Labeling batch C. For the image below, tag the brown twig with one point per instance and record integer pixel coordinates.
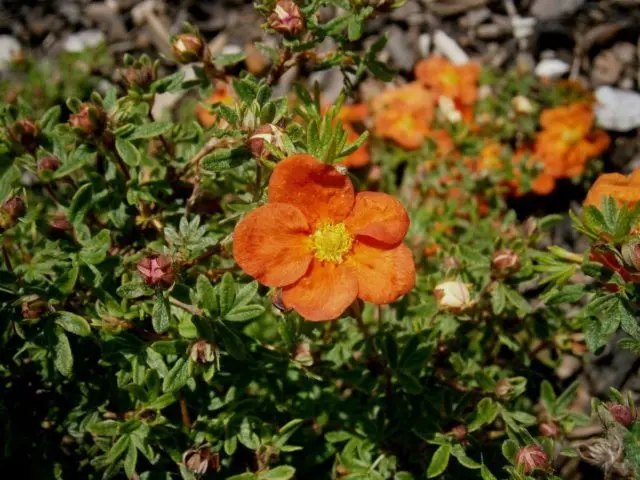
(285, 62)
(192, 309)
(201, 258)
(184, 411)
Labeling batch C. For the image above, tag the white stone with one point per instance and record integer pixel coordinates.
(617, 110)
(424, 45)
(448, 47)
(8, 47)
(76, 42)
(551, 68)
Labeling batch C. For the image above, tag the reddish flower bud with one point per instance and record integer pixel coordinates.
(60, 222)
(621, 414)
(202, 352)
(14, 207)
(459, 432)
(286, 18)
(33, 307)
(188, 47)
(532, 457)
(503, 388)
(48, 163)
(139, 76)
(505, 261)
(25, 134)
(549, 429)
(200, 460)
(265, 134)
(91, 120)
(156, 270)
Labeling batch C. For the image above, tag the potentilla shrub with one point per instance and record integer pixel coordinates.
(262, 287)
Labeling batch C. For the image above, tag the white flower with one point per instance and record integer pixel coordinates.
(448, 109)
(453, 295)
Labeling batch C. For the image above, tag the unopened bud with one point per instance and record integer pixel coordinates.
(156, 270)
(286, 18)
(59, 221)
(139, 76)
(531, 458)
(505, 261)
(200, 460)
(453, 296)
(25, 134)
(631, 255)
(450, 263)
(549, 429)
(91, 120)
(188, 47)
(48, 163)
(621, 414)
(459, 432)
(303, 354)
(14, 207)
(503, 388)
(33, 307)
(202, 352)
(265, 134)
(522, 104)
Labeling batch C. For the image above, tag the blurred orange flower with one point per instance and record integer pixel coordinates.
(443, 141)
(351, 115)
(625, 189)
(324, 245)
(221, 94)
(567, 141)
(458, 82)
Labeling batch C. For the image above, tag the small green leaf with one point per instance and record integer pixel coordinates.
(150, 130)
(73, 323)
(283, 472)
(486, 474)
(161, 314)
(246, 293)
(63, 358)
(231, 341)
(107, 428)
(244, 312)
(134, 290)
(130, 460)
(80, 157)
(207, 295)
(226, 293)
(439, 461)
(128, 152)
(177, 376)
(225, 159)
(50, 118)
(354, 28)
(80, 204)
(226, 60)
(486, 413)
(498, 299)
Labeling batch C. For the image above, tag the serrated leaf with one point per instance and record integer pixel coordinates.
(439, 461)
(80, 204)
(150, 130)
(161, 315)
(128, 152)
(73, 323)
(177, 376)
(63, 358)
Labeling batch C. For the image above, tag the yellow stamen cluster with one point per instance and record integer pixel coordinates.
(331, 242)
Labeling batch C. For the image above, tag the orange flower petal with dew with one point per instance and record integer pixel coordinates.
(383, 274)
(271, 244)
(378, 216)
(324, 293)
(317, 189)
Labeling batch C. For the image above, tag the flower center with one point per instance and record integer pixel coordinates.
(330, 243)
(450, 78)
(571, 136)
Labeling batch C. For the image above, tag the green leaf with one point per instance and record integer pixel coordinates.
(67, 281)
(62, 356)
(130, 460)
(128, 152)
(458, 452)
(548, 396)
(409, 382)
(161, 314)
(354, 28)
(9, 177)
(247, 436)
(177, 376)
(73, 323)
(107, 428)
(134, 290)
(518, 301)
(283, 472)
(486, 474)
(207, 295)
(498, 299)
(509, 449)
(439, 461)
(150, 130)
(244, 312)
(95, 250)
(226, 293)
(243, 476)
(486, 413)
(246, 293)
(50, 118)
(226, 60)
(403, 476)
(232, 342)
(225, 159)
(80, 157)
(80, 204)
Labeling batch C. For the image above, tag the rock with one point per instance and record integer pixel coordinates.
(625, 51)
(9, 47)
(402, 55)
(424, 45)
(551, 68)
(410, 12)
(474, 18)
(76, 42)
(617, 110)
(446, 45)
(606, 68)
(554, 9)
(106, 15)
(491, 31)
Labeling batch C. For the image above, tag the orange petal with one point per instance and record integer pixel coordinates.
(324, 293)
(270, 244)
(543, 185)
(383, 274)
(379, 216)
(317, 189)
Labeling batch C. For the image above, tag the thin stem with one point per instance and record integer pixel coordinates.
(164, 141)
(192, 309)
(7, 259)
(201, 258)
(184, 411)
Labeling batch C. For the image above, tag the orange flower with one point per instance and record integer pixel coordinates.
(221, 94)
(324, 245)
(444, 143)
(350, 115)
(568, 141)
(625, 189)
(458, 82)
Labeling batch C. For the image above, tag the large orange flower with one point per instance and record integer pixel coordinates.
(350, 115)
(221, 94)
(567, 141)
(324, 245)
(625, 189)
(458, 82)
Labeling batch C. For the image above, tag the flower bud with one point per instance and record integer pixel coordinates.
(453, 296)
(188, 47)
(505, 261)
(522, 104)
(459, 432)
(91, 120)
(60, 222)
(549, 429)
(33, 307)
(200, 460)
(25, 134)
(503, 388)
(287, 19)
(139, 76)
(532, 457)
(14, 207)
(156, 270)
(265, 134)
(621, 414)
(202, 352)
(48, 163)
(450, 263)
(631, 255)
